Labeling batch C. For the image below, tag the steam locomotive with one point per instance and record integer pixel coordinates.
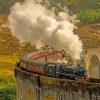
(53, 69)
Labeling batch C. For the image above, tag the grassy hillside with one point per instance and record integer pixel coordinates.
(77, 5)
(10, 53)
(5, 5)
(7, 88)
(90, 35)
(11, 50)
(88, 11)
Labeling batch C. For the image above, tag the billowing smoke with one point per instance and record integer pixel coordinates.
(32, 22)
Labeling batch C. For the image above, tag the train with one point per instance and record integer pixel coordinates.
(51, 69)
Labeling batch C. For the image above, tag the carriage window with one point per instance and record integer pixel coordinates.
(50, 69)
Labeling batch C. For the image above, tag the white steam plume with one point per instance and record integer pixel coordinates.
(34, 23)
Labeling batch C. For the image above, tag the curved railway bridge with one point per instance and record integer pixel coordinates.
(33, 86)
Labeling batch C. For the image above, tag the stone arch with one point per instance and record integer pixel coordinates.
(30, 95)
(50, 97)
(94, 67)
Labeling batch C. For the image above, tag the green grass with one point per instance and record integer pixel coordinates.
(89, 16)
(7, 64)
(7, 88)
(8, 93)
(6, 82)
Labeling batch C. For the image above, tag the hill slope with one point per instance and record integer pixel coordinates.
(10, 48)
(88, 11)
(90, 35)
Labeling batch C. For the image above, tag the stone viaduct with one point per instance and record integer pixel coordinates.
(34, 87)
(31, 86)
(91, 59)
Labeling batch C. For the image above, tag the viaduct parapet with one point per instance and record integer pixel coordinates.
(33, 87)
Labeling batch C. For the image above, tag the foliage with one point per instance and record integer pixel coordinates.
(5, 5)
(7, 88)
(89, 16)
(28, 47)
(96, 2)
(6, 82)
(88, 11)
(8, 93)
(48, 47)
(7, 63)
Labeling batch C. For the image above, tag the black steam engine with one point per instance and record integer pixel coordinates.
(64, 71)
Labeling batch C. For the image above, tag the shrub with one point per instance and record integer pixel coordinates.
(89, 16)
(7, 88)
(8, 93)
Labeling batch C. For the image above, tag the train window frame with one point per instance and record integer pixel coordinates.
(51, 70)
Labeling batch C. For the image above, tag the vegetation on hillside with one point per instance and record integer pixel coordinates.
(7, 88)
(90, 35)
(89, 16)
(88, 11)
(10, 52)
(5, 5)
